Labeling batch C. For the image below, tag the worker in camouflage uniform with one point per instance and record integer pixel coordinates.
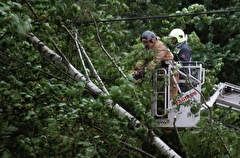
(182, 52)
(157, 56)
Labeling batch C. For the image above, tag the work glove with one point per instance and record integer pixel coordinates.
(178, 64)
(135, 77)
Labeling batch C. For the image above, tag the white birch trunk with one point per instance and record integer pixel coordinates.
(76, 75)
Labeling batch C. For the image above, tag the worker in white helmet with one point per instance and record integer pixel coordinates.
(182, 52)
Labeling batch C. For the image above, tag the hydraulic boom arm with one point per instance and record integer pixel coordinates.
(227, 95)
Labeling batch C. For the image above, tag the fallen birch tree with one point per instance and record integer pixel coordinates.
(64, 65)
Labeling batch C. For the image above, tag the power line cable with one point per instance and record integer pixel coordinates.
(168, 16)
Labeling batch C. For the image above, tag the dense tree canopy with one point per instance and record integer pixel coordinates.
(45, 112)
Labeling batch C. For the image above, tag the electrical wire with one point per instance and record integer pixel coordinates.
(168, 16)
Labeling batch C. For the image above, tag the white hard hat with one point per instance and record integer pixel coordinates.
(179, 34)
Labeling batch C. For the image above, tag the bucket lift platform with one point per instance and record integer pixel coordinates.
(183, 110)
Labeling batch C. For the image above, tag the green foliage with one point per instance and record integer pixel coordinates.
(19, 24)
(216, 139)
(132, 98)
(50, 119)
(43, 113)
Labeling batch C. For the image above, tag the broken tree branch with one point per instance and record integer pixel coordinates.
(82, 50)
(103, 48)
